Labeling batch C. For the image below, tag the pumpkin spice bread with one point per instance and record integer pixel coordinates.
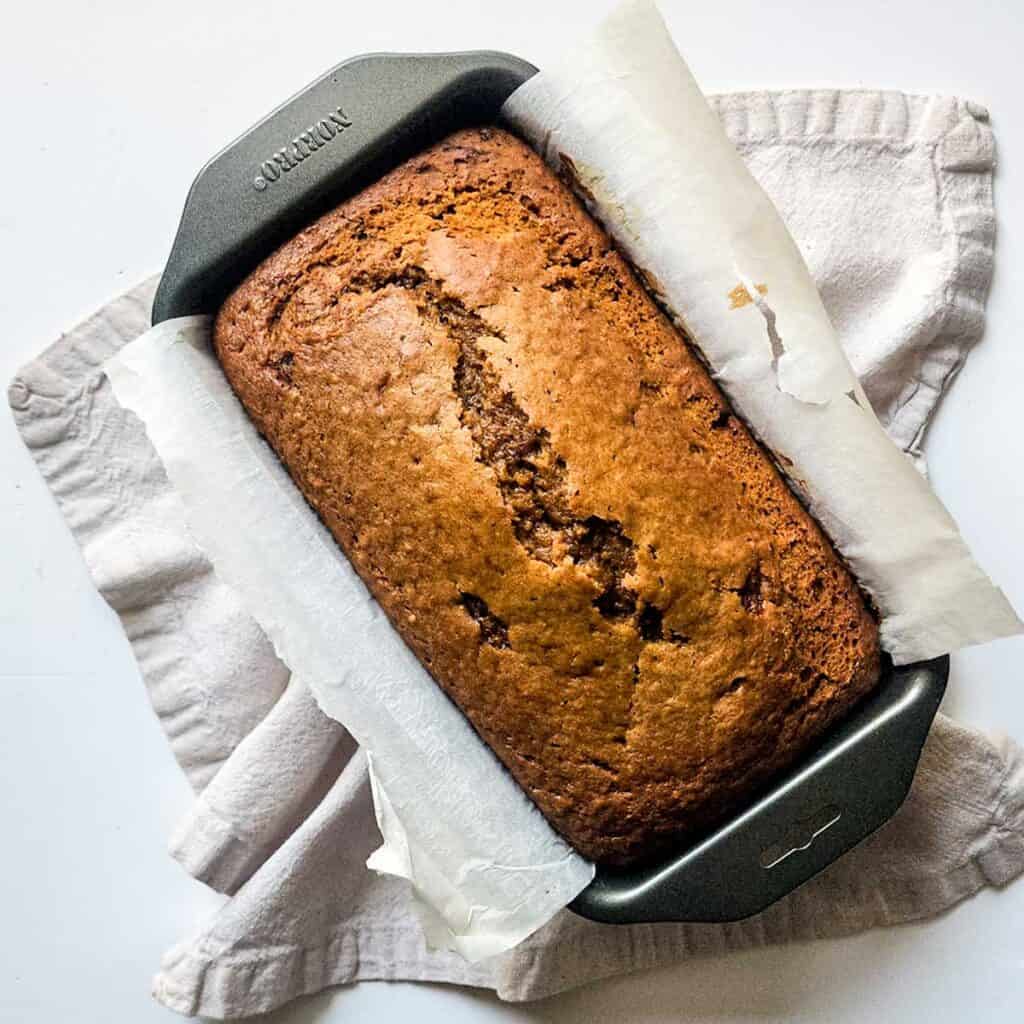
(548, 496)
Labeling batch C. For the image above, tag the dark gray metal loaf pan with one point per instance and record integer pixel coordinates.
(347, 128)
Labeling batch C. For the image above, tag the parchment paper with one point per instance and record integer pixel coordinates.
(625, 118)
(488, 872)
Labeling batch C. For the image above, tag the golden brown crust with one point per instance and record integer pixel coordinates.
(548, 495)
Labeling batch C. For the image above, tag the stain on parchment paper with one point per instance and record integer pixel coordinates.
(740, 297)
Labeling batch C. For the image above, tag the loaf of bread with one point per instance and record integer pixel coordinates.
(551, 500)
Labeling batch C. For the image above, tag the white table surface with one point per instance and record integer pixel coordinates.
(109, 109)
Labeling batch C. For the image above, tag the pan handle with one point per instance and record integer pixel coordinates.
(844, 792)
(339, 133)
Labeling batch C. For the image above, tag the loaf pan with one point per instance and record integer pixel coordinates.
(343, 131)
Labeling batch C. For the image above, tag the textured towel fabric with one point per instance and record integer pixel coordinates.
(889, 197)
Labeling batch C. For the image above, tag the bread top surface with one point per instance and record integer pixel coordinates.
(547, 494)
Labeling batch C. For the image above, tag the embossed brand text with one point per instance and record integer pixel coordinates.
(305, 144)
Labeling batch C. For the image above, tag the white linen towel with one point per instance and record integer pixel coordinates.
(889, 197)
